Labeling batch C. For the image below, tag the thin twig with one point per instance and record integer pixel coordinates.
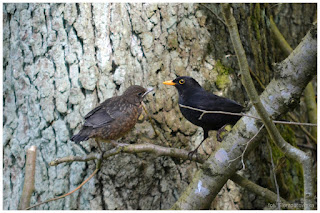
(302, 128)
(98, 166)
(245, 149)
(307, 147)
(274, 176)
(65, 195)
(220, 19)
(242, 114)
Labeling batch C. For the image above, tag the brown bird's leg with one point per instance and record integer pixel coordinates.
(99, 146)
(206, 135)
(222, 129)
(101, 155)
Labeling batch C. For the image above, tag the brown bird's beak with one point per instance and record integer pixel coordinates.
(170, 82)
(149, 89)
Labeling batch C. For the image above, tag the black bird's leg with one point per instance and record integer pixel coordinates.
(205, 136)
(222, 129)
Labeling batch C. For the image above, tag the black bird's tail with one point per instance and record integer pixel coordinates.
(83, 135)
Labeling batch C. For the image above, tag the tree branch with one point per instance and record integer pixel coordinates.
(309, 92)
(164, 151)
(134, 148)
(263, 192)
(28, 186)
(288, 149)
(311, 108)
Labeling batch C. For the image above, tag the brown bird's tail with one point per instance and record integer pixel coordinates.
(83, 135)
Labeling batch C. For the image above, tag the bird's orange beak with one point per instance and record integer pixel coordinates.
(170, 82)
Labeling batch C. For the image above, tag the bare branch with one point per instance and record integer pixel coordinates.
(28, 186)
(291, 115)
(134, 148)
(263, 192)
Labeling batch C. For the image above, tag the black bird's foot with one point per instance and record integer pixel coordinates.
(190, 154)
(221, 130)
(219, 138)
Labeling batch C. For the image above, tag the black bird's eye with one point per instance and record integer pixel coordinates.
(181, 81)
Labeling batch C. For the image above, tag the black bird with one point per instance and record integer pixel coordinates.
(114, 117)
(193, 95)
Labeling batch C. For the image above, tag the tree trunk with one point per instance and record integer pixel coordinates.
(61, 60)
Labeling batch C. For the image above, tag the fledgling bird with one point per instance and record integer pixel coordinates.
(193, 95)
(114, 117)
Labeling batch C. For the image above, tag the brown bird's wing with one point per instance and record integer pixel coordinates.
(105, 113)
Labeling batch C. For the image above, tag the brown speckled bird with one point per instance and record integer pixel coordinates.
(114, 117)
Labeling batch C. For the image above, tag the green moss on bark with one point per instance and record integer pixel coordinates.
(289, 172)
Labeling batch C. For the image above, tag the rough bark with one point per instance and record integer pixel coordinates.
(61, 60)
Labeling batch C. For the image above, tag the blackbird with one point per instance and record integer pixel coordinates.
(193, 95)
(114, 117)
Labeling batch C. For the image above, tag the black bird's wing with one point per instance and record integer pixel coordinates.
(210, 102)
(105, 113)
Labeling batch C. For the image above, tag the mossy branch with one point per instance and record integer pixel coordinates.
(309, 92)
(275, 135)
(311, 108)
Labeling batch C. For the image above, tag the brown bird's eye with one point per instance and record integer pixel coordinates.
(140, 94)
(181, 81)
